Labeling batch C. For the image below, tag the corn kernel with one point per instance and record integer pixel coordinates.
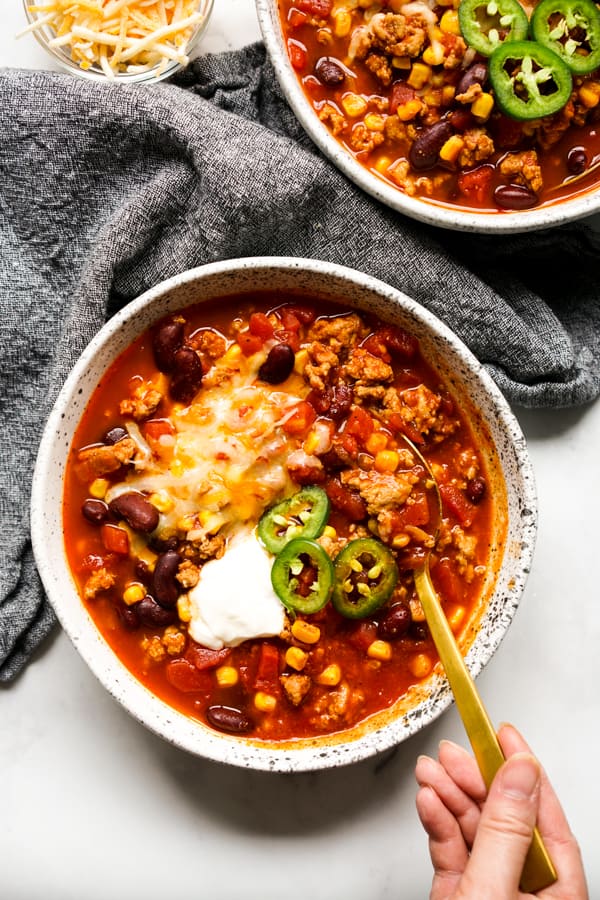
(133, 593)
(381, 650)
(451, 148)
(300, 361)
(296, 658)
(400, 540)
(383, 164)
(417, 613)
(161, 501)
(433, 55)
(306, 632)
(386, 461)
(330, 676)
(482, 107)
(312, 441)
(401, 62)
(354, 105)
(176, 468)
(589, 94)
(232, 355)
(421, 665)
(449, 22)
(342, 23)
(227, 676)
(448, 93)
(265, 702)
(419, 75)
(186, 523)
(324, 36)
(409, 110)
(329, 532)
(374, 122)
(456, 617)
(98, 488)
(376, 441)
(184, 608)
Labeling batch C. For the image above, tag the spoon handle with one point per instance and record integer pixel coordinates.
(538, 871)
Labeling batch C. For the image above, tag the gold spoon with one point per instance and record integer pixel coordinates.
(538, 870)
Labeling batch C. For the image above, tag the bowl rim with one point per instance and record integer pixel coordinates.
(155, 713)
(430, 212)
(97, 74)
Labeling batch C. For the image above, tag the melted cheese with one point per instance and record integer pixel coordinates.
(120, 35)
(234, 600)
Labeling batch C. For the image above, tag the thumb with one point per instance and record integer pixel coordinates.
(505, 829)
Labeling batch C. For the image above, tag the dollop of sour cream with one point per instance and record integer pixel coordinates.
(234, 600)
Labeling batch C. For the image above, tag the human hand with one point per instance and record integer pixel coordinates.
(478, 844)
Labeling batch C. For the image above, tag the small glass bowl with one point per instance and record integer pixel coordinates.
(159, 72)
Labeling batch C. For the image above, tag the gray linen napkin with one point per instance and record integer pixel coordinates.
(105, 190)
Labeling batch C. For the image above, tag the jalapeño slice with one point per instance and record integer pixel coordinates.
(304, 514)
(302, 576)
(365, 576)
(485, 24)
(571, 28)
(529, 80)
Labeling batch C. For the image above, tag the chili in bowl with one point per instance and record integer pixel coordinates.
(477, 115)
(226, 513)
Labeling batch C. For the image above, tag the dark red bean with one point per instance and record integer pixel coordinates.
(153, 614)
(136, 510)
(278, 365)
(226, 718)
(329, 71)
(425, 151)
(129, 616)
(187, 375)
(143, 572)
(419, 631)
(166, 341)
(395, 622)
(165, 586)
(475, 490)
(342, 396)
(95, 511)
(475, 74)
(514, 196)
(347, 501)
(399, 342)
(577, 160)
(116, 434)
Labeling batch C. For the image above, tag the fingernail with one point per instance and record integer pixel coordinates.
(520, 776)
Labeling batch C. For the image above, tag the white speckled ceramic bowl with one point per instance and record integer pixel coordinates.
(508, 470)
(433, 213)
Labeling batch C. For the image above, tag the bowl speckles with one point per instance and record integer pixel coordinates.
(507, 462)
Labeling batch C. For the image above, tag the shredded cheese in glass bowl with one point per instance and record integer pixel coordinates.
(124, 40)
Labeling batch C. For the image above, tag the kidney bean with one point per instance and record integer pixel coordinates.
(395, 622)
(577, 160)
(329, 71)
(136, 510)
(116, 434)
(278, 365)
(475, 74)
(342, 396)
(226, 718)
(346, 501)
(166, 340)
(419, 631)
(514, 196)
(165, 586)
(95, 511)
(129, 616)
(161, 545)
(475, 490)
(143, 572)
(425, 151)
(153, 614)
(186, 375)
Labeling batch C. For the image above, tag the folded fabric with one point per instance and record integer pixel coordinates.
(106, 190)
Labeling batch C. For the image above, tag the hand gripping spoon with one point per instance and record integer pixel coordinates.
(538, 870)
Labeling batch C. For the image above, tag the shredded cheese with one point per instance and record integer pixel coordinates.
(119, 36)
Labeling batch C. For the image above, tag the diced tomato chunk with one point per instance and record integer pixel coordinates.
(297, 54)
(267, 674)
(397, 423)
(249, 343)
(300, 420)
(321, 8)
(345, 500)
(376, 345)
(187, 678)
(92, 562)
(401, 94)
(446, 582)
(456, 502)
(115, 539)
(296, 18)
(305, 314)
(359, 424)
(261, 326)
(416, 513)
(204, 658)
(398, 341)
(363, 635)
(477, 184)
(156, 428)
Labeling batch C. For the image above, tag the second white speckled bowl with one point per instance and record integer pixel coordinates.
(503, 446)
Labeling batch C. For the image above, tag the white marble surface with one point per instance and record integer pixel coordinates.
(92, 806)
